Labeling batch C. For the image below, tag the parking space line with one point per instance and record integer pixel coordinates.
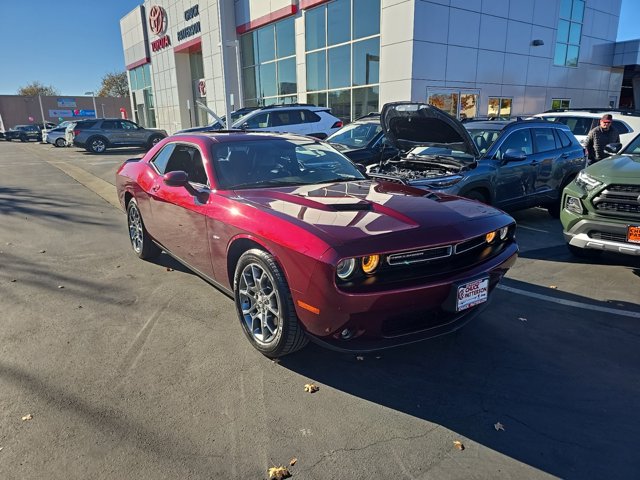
(570, 303)
(93, 183)
(519, 225)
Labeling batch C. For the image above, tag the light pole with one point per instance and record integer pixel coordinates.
(95, 108)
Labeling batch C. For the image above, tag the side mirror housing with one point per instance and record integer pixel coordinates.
(612, 147)
(176, 179)
(514, 155)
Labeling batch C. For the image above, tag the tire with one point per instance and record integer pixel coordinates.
(60, 142)
(584, 252)
(8, 139)
(555, 208)
(97, 145)
(476, 195)
(265, 307)
(23, 138)
(141, 242)
(153, 140)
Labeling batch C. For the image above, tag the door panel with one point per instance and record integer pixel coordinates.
(515, 184)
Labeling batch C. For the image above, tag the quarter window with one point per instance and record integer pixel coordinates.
(620, 127)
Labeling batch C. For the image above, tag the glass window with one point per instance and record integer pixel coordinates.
(468, 105)
(266, 44)
(520, 140)
(545, 140)
(132, 80)
(366, 62)
(339, 61)
(268, 86)
(563, 31)
(285, 117)
(577, 13)
(314, 28)
(560, 56)
(567, 49)
(338, 22)
(147, 75)
(260, 120)
(250, 82)
(572, 56)
(139, 78)
(319, 99)
(574, 33)
(249, 48)
(161, 159)
(505, 108)
(316, 70)
(366, 18)
(565, 9)
(285, 38)
(287, 77)
(309, 117)
(559, 103)
(365, 100)
(565, 141)
(447, 102)
(619, 127)
(340, 104)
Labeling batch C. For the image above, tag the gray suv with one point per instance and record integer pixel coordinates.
(100, 134)
(508, 164)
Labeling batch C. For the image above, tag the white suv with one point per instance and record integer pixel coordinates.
(297, 118)
(581, 121)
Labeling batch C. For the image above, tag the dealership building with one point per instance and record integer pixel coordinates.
(469, 57)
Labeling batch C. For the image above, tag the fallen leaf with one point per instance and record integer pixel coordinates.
(498, 426)
(60, 286)
(552, 286)
(458, 445)
(79, 306)
(278, 473)
(522, 319)
(1, 448)
(293, 461)
(311, 388)
(42, 251)
(27, 417)
(169, 269)
(359, 358)
(13, 280)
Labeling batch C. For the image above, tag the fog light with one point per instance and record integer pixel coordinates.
(370, 263)
(346, 334)
(573, 204)
(490, 237)
(504, 231)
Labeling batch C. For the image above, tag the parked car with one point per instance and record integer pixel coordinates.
(601, 207)
(100, 134)
(45, 131)
(24, 133)
(302, 119)
(581, 121)
(509, 164)
(307, 246)
(216, 125)
(56, 136)
(363, 141)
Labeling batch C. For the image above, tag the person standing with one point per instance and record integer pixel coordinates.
(599, 137)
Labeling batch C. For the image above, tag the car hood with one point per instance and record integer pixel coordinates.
(367, 213)
(408, 125)
(618, 166)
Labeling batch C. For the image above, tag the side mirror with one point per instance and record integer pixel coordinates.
(612, 147)
(514, 155)
(244, 126)
(176, 179)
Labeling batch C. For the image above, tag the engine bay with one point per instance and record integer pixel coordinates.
(413, 169)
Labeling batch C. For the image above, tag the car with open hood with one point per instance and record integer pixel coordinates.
(308, 246)
(601, 207)
(508, 164)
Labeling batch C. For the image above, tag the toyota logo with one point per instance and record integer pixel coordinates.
(202, 88)
(157, 20)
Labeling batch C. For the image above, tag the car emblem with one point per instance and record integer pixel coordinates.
(157, 20)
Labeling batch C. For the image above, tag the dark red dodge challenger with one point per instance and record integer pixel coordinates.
(308, 246)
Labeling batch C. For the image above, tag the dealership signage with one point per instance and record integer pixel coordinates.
(71, 113)
(192, 29)
(158, 26)
(67, 102)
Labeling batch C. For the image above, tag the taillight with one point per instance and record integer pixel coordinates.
(338, 124)
(76, 133)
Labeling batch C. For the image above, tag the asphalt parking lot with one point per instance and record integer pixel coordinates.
(132, 369)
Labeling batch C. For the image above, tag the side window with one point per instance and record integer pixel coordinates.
(577, 125)
(620, 127)
(109, 125)
(189, 160)
(518, 140)
(162, 157)
(258, 121)
(565, 141)
(287, 117)
(309, 117)
(128, 125)
(545, 140)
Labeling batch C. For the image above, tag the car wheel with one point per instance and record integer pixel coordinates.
(60, 142)
(8, 139)
(583, 252)
(140, 239)
(23, 138)
(265, 307)
(97, 145)
(153, 140)
(476, 195)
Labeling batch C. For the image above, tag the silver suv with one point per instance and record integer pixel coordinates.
(100, 134)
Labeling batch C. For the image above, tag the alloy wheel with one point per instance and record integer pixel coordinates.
(260, 304)
(136, 233)
(98, 146)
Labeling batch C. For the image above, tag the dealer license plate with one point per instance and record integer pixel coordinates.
(633, 234)
(472, 294)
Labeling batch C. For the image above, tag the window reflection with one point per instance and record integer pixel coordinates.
(338, 22)
(266, 42)
(287, 77)
(314, 28)
(339, 60)
(316, 70)
(366, 62)
(366, 18)
(285, 38)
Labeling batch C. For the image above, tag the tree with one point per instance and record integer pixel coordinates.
(36, 88)
(114, 85)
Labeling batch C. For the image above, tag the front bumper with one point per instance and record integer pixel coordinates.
(400, 316)
(601, 235)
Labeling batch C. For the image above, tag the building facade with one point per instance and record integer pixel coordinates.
(471, 58)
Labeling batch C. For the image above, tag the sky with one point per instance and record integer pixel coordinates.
(72, 44)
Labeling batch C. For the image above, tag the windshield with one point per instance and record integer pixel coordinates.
(355, 135)
(484, 138)
(441, 152)
(280, 162)
(634, 147)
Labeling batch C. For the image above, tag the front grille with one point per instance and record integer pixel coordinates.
(416, 256)
(470, 244)
(612, 237)
(618, 199)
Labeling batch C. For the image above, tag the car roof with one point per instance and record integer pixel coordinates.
(230, 136)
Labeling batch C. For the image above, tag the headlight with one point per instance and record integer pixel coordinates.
(586, 181)
(370, 263)
(345, 268)
(490, 237)
(503, 232)
(444, 182)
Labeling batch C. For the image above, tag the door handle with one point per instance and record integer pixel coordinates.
(534, 162)
(564, 155)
